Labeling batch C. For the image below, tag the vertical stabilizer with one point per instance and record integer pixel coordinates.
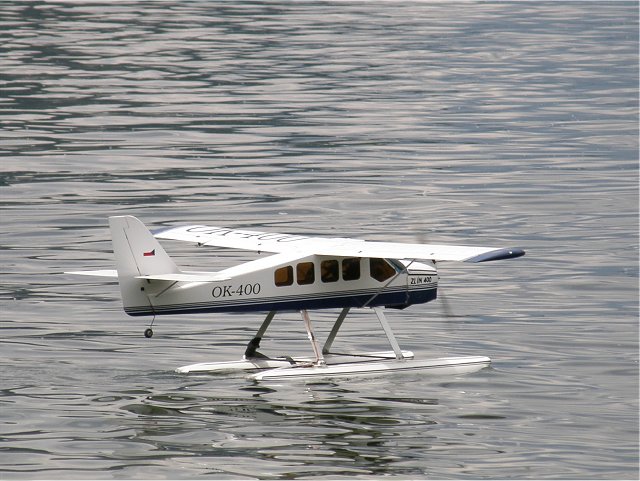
(137, 253)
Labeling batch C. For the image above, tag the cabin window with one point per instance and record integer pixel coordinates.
(329, 271)
(304, 273)
(380, 269)
(351, 269)
(284, 276)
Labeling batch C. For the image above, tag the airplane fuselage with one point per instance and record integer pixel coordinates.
(313, 282)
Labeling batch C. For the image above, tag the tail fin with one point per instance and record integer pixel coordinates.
(137, 253)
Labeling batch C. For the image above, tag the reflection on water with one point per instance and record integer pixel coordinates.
(330, 428)
(482, 123)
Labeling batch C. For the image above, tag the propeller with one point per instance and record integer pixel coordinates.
(447, 311)
(444, 304)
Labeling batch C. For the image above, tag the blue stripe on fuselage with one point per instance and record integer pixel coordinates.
(397, 299)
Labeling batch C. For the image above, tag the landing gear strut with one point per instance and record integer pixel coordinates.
(148, 332)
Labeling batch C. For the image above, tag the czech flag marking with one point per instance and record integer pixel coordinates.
(150, 253)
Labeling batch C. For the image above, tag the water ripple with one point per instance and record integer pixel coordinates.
(482, 123)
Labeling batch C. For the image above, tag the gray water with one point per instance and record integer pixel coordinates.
(506, 124)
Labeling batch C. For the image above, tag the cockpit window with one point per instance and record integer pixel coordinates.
(304, 273)
(380, 269)
(284, 276)
(351, 269)
(329, 271)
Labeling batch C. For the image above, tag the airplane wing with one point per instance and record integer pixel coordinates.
(234, 238)
(435, 252)
(297, 246)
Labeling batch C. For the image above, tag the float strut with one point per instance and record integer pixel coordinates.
(387, 330)
(255, 342)
(334, 330)
(312, 338)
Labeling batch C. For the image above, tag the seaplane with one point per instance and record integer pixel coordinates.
(299, 274)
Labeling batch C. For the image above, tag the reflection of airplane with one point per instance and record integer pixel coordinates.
(302, 273)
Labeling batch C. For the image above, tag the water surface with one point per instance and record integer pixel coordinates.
(482, 123)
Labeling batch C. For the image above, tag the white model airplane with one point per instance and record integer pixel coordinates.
(302, 273)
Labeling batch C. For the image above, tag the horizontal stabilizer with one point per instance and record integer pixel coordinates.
(187, 277)
(100, 273)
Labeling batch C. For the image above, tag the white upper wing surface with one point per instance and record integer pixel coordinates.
(339, 247)
(235, 238)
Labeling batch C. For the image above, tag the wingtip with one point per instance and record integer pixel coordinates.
(498, 254)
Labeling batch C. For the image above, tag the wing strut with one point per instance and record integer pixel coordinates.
(393, 278)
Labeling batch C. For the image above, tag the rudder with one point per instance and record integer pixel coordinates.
(137, 253)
